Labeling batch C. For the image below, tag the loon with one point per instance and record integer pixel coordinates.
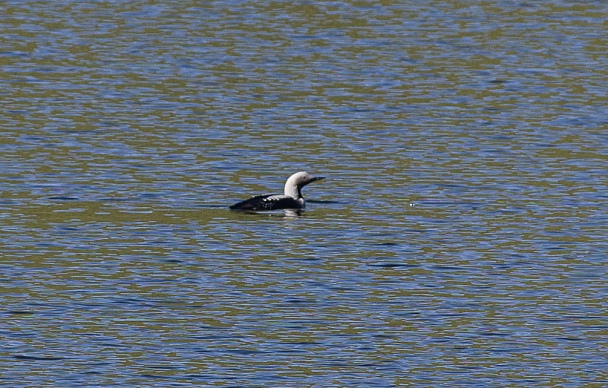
(292, 199)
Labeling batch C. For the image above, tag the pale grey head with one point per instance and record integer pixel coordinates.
(294, 184)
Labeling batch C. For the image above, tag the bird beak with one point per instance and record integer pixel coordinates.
(317, 178)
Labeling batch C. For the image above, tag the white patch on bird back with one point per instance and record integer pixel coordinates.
(273, 198)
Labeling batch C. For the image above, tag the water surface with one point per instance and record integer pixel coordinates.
(459, 238)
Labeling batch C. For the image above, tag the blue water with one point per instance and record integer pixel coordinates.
(459, 238)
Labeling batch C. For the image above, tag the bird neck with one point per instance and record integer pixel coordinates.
(293, 191)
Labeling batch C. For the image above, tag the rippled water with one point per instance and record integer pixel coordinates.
(459, 238)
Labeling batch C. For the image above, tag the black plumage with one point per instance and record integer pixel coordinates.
(268, 202)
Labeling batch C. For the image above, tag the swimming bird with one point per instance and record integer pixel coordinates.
(292, 199)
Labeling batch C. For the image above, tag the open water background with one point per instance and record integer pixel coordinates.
(460, 238)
